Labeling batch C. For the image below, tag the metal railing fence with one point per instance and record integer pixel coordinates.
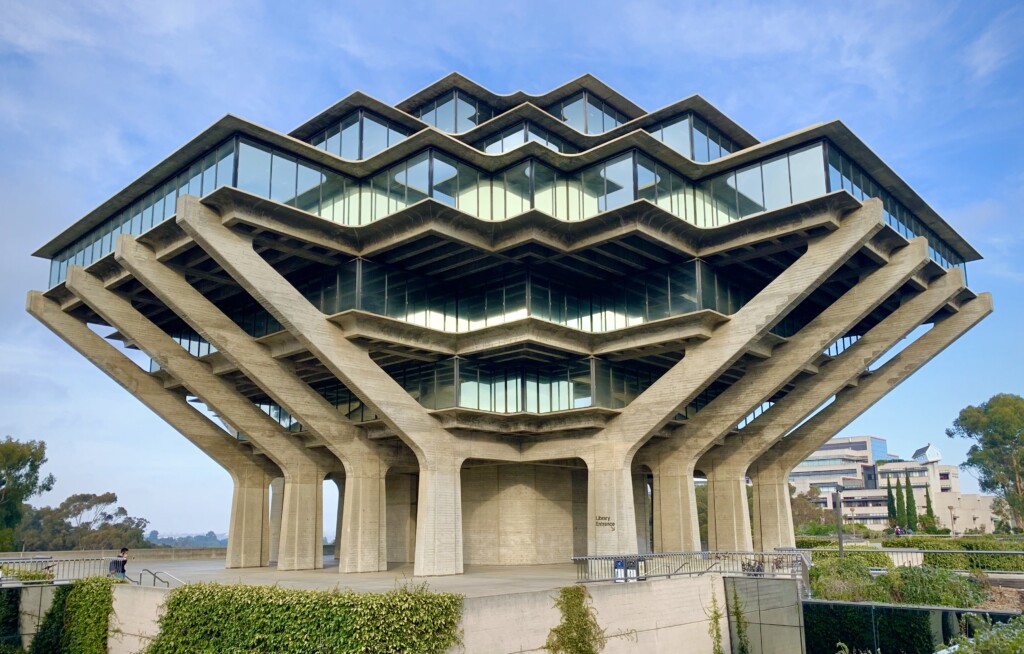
(637, 567)
(995, 561)
(45, 570)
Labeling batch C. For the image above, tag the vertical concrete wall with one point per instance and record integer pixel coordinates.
(517, 514)
(667, 616)
(35, 602)
(134, 620)
(773, 613)
(579, 512)
(401, 490)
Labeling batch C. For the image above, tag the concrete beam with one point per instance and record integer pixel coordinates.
(612, 520)
(773, 521)
(439, 525)
(303, 469)
(248, 532)
(364, 542)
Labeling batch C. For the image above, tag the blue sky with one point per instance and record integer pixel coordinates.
(93, 94)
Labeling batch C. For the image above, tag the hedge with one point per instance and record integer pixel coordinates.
(961, 561)
(234, 618)
(873, 556)
(10, 605)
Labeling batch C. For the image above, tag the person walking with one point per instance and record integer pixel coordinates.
(119, 565)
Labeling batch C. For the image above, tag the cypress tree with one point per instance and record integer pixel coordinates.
(890, 502)
(911, 505)
(901, 505)
(928, 510)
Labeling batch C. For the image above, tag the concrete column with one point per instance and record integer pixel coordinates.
(249, 529)
(302, 519)
(362, 511)
(248, 544)
(728, 515)
(436, 552)
(439, 518)
(276, 511)
(676, 527)
(339, 481)
(345, 440)
(641, 508)
(772, 512)
(785, 454)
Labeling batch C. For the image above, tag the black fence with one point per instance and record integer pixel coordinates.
(889, 628)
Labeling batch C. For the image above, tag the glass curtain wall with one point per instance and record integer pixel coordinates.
(517, 135)
(693, 137)
(781, 180)
(587, 113)
(455, 112)
(359, 135)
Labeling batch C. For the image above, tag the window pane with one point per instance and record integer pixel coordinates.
(282, 179)
(723, 189)
(835, 179)
(375, 136)
(445, 113)
(467, 118)
(748, 183)
(226, 164)
(417, 180)
(676, 135)
(700, 141)
(594, 116)
(807, 171)
(427, 114)
(775, 173)
(469, 189)
(517, 189)
(195, 179)
(543, 188)
(446, 181)
(646, 179)
(349, 137)
(571, 111)
(619, 178)
(209, 173)
(253, 169)
(308, 196)
(333, 197)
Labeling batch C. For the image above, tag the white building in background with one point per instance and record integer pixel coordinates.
(863, 467)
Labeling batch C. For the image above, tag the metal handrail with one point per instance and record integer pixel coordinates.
(157, 577)
(915, 556)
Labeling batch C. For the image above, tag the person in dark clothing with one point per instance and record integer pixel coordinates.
(118, 565)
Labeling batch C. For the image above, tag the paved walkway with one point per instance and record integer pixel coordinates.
(477, 581)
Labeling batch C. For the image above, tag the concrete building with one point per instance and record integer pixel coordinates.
(863, 467)
(495, 320)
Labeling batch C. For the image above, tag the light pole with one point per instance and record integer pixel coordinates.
(837, 502)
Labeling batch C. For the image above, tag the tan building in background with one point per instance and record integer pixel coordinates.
(863, 467)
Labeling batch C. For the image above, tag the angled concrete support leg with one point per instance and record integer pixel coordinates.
(249, 529)
(785, 454)
(439, 525)
(362, 536)
(248, 544)
(302, 521)
(339, 482)
(276, 511)
(676, 527)
(772, 512)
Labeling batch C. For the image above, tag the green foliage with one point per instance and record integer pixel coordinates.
(86, 616)
(25, 574)
(964, 561)
(901, 505)
(874, 557)
(898, 631)
(811, 543)
(221, 618)
(997, 456)
(48, 639)
(850, 580)
(20, 479)
(10, 604)
(890, 502)
(715, 624)
(578, 632)
(11, 648)
(997, 638)
(929, 510)
(82, 521)
(742, 645)
(911, 505)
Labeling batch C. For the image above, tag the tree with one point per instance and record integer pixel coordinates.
(911, 504)
(901, 505)
(997, 456)
(929, 510)
(20, 478)
(82, 521)
(890, 502)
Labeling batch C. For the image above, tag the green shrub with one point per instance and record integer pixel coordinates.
(25, 575)
(932, 587)
(810, 543)
(964, 561)
(845, 580)
(578, 631)
(10, 605)
(874, 557)
(221, 618)
(48, 638)
(87, 615)
(997, 638)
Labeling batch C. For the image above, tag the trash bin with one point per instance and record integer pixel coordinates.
(620, 571)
